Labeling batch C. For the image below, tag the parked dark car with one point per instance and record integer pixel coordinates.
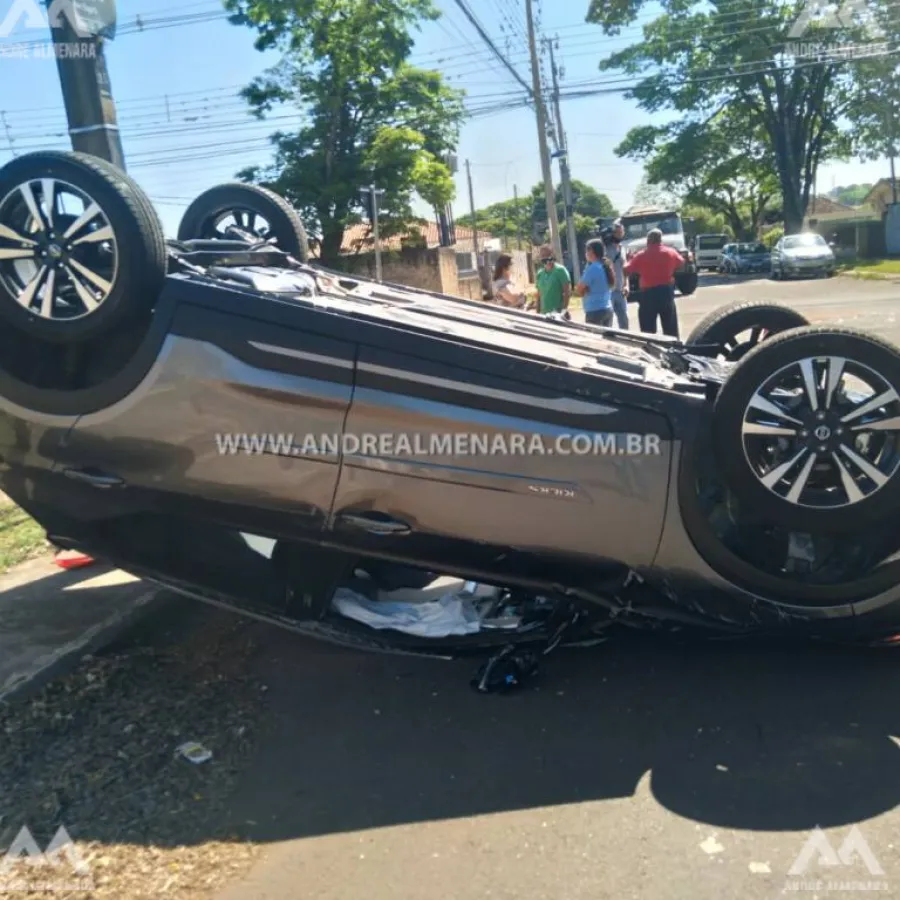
(746, 258)
(169, 407)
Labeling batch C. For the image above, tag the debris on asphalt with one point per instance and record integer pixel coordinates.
(505, 671)
(449, 615)
(72, 559)
(758, 868)
(711, 846)
(194, 752)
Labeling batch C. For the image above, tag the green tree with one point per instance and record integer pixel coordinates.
(369, 116)
(719, 165)
(875, 118)
(528, 217)
(697, 59)
(700, 220)
(850, 195)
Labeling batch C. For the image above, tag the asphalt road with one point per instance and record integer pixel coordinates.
(868, 305)
(640, 769)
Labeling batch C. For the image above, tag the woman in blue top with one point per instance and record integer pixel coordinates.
(596, 285)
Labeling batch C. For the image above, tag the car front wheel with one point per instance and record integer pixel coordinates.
(807, 428)
(81, 249)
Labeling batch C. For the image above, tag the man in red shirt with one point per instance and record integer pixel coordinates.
(656, 267)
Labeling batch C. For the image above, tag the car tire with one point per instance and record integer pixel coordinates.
(687, 284)
(762, 318)
(69, 277)
(815, 461)
(202, 217)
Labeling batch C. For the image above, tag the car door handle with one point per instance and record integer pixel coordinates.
(94, 479)
(374, 524)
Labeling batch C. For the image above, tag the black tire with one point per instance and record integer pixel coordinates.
(201, 217)
(131, 265)
(827, 497)
(687, 284)
(724, 325)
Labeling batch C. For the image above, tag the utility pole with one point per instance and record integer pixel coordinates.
(542, 133)
(374, 193)
(478, 265)
(518, 225)
(86, 88)
(572, 237)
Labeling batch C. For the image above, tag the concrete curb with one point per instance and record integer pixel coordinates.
(65, 658)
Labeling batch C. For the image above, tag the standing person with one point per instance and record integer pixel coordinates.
(595, 287)
(656, 267)
(503, 291)
(553, 284)
(620, 291)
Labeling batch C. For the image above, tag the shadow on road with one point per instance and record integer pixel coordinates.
(774, 738)
(311, 740)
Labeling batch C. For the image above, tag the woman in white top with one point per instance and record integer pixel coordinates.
(504, 294)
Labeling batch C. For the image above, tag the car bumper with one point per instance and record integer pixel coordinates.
(808, 265)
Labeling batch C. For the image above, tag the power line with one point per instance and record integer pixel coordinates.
(487, 39)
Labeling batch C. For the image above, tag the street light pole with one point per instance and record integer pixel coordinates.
(374, 193)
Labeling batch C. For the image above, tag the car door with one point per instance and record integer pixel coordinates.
(448, 502)
(222, 417)
(30, 448)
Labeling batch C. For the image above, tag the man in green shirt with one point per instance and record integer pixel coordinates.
(553, 284)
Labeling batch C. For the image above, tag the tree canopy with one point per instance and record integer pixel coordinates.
(732, 69)
(527, 219)
(368, 116)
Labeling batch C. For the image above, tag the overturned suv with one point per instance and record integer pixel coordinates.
(158, 400)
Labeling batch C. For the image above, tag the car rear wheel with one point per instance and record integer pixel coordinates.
(231, 210)
(81, 249)
(739, 327)
(807, 429)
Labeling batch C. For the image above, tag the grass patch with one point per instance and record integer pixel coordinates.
(21, 537)
(880, 268)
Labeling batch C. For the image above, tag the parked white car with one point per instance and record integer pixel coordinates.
(803, 254)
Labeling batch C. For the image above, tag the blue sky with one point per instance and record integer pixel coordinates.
(185, 130)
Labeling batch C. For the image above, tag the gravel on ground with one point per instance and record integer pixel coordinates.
(95, 753)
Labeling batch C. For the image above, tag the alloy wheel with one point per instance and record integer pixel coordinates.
(236, 223)
(823, 432)
(58, 253)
